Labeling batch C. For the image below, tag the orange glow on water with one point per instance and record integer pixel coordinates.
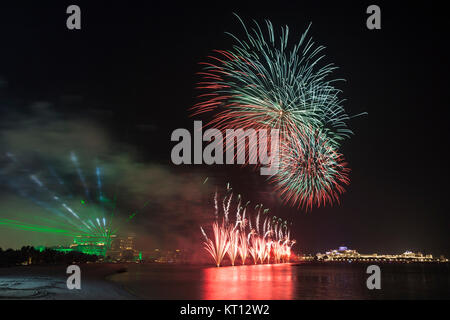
(252, 282)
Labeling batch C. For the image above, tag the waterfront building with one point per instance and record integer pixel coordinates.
(347, 255)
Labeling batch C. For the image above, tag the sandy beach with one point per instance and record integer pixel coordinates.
(49, 283)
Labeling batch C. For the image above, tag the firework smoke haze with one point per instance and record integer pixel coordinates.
(31, 166)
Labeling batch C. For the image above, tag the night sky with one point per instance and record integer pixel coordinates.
(117, 88)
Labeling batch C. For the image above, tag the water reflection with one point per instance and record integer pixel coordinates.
(284, 282)
(255, 282)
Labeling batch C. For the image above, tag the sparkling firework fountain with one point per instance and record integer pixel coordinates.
(262, 83)
(263, 240)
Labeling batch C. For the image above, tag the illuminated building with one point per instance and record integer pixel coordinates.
(305, 257)
(85, 244)
(347, 255)
(170, 256)
(91, 245)
(127, 243)
(123, 248)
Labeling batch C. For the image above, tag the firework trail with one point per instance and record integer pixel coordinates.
(264, 239)
(243, 246)
(253, 249)
(219, 247)
(216, 208)
(233, 248)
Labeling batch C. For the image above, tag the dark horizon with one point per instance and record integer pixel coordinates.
(115, 90)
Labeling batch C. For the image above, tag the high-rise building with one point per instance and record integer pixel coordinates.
(127, 243)
(123, 248)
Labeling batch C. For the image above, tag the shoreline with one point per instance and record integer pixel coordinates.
(49, 283)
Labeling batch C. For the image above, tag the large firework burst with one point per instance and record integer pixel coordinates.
(263, 83)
